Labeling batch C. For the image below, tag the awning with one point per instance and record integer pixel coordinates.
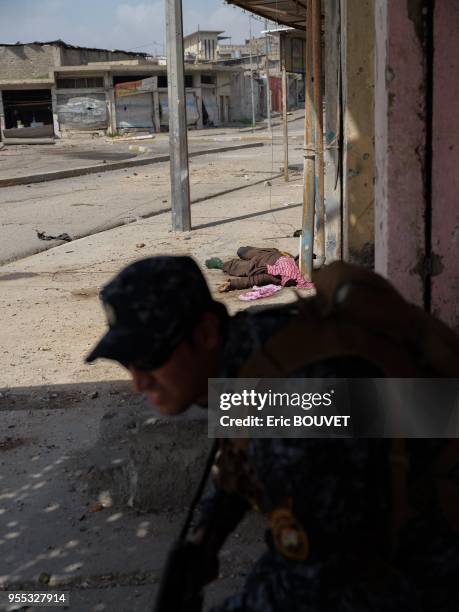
(288, 12)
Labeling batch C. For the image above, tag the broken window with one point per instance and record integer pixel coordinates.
(208, 79)
(80, 83)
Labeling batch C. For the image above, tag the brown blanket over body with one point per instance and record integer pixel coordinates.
(249, 267)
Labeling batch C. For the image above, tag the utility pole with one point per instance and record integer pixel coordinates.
(284, 116)
(178, 141)
(316, 18)
(332, 131)
(268, 90)
(309, 192)
(251, 73)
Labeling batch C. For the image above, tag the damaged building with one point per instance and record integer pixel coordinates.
(259, 57)
(52, 89)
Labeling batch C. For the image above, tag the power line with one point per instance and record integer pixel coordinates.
(150, 44)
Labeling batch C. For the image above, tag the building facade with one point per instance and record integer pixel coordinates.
(50, 90)
(202, 45)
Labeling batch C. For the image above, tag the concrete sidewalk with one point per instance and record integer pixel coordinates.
(93, 484)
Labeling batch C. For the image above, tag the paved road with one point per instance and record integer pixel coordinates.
(26, 160)
(89, 204)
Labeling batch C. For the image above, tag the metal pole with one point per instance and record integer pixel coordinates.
(284, 112)
(332, 132)
(251, 73)
(307, 236)
(319, 246)
(268, 90)
(178, 142)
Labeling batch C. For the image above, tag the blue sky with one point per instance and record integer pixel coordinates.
(122, 24)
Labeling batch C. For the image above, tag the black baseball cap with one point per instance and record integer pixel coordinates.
(151, 306)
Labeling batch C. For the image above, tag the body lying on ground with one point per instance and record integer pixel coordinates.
(256, 266)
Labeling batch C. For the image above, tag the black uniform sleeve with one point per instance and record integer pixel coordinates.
(219, 514)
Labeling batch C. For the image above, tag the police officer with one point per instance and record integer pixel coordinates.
(326, 501)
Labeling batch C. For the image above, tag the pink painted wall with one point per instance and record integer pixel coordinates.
(399, 147)
(445, 187)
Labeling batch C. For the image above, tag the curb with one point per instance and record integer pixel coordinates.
(133, 163)
(114, 225)
(260, 128)
(249, 137)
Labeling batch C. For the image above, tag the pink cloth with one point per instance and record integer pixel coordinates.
(286, 268)
(260, 292)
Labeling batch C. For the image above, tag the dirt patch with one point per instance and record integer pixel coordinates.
(83, 204)
(16, 275)
(8, 443)
(87, 292)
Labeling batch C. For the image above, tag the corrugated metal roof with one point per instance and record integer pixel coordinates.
(62, 43)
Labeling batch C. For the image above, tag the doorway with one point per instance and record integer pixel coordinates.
(28, 113)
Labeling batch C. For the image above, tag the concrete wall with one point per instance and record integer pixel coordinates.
(359, 167)
(417, 152)
(191, 45)
(76, 57)
(27, 61)
(400, 140)
(224, 83)
(445, 180)
(240, 101)
(33, 61)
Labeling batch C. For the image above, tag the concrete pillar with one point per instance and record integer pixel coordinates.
(57, 129)
(445, 164)
(156, 114)
(178, 140)
(2, 116)
(358, 129)
(111, 103)
(400, 144)
(57, 56)
(200, 123)
(198, 90)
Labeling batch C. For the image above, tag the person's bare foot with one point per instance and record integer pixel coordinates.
(225, 287)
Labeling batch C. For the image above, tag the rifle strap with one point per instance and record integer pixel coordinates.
(199, 490)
